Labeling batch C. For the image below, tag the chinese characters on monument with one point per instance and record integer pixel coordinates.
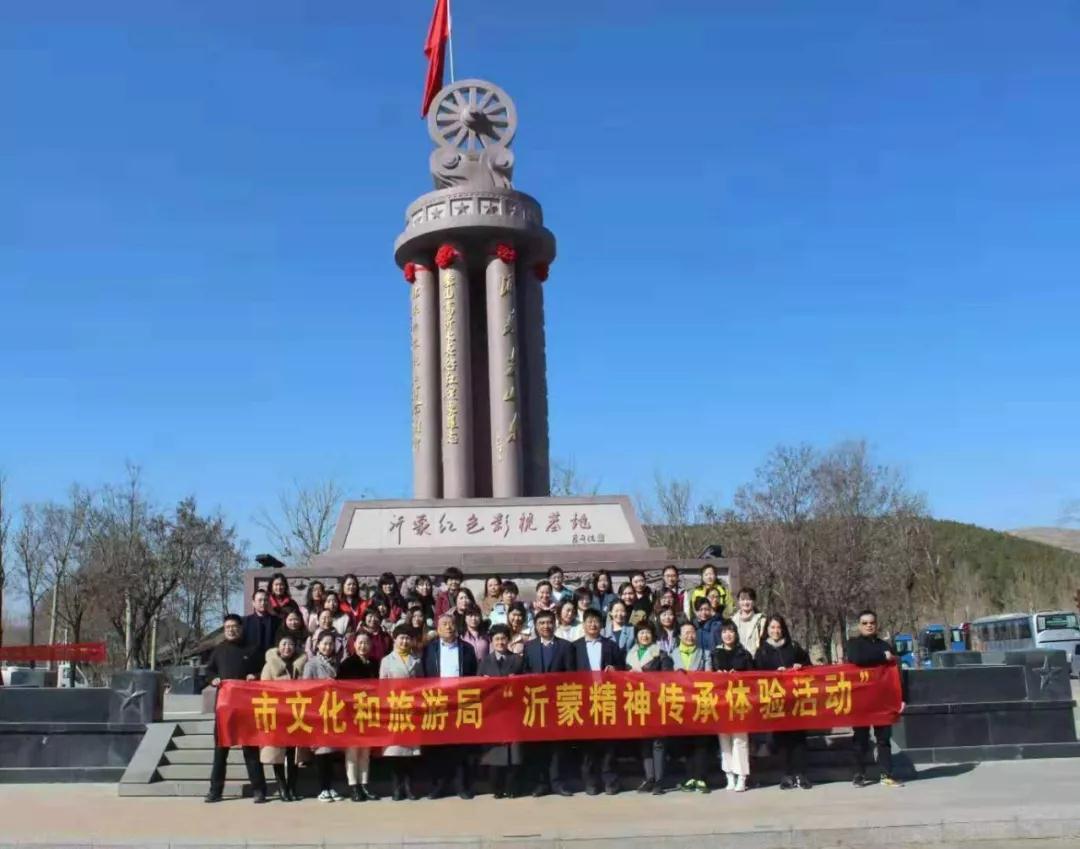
(483, 525)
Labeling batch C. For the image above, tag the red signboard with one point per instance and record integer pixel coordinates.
(567, 706)
(79, 652)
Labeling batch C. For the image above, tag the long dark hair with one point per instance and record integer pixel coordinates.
(776, 617)
(341, 589)
(602, 573)
(284, 580)
(309, 602)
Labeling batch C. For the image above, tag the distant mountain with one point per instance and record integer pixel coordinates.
(1067, 538)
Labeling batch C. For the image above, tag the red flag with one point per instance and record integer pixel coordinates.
(435, 50)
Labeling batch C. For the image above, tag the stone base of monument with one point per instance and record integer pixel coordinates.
(996, 706)
(518, 538)
(66, 735)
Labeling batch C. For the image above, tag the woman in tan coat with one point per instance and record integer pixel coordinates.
(283, 663)
(401, 663)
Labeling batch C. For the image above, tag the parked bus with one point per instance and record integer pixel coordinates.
(959, 637)
(1057, 629)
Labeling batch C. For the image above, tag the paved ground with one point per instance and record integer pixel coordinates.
(1035, 803)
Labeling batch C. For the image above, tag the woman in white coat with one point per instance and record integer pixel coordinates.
(401, 663)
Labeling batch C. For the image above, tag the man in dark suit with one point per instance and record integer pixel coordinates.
(449, 657)
(596, 653)
(544, 655)
(260, 627)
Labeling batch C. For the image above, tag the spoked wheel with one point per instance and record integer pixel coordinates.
(471, 115)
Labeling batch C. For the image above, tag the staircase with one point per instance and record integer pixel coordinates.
(175, 757)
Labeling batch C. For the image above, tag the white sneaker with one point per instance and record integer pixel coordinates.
(730, 776)
(335, 796)
(326, 796)
(740, 784)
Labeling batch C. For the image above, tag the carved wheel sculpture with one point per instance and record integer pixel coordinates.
(472, 115)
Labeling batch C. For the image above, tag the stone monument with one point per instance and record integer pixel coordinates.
(476, 254)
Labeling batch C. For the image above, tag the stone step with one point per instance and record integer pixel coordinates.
(196, 726)
(201, 772)
(193, 741)
(198, 756)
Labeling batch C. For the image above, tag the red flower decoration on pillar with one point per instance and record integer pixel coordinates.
(540, 270)
(410, 271)
(446, 256)
(506, 253)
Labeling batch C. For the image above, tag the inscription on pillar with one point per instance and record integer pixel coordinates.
(417, 393)
(450, 360)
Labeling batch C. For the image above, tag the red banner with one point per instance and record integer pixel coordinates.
(79, 652)
(569, 706)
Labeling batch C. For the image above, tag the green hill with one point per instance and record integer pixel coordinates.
(1009, 572)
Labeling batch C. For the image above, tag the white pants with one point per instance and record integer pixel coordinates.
(357, 762)
(735, 753)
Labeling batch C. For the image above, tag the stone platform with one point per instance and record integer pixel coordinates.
(988, 805)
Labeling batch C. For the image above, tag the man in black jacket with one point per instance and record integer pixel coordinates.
(449, 657)
(545, 655)
(596, 653)
(232, 660)
(868, 649)
(260, 627)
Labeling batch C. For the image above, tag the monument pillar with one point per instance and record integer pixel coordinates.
(491, 410)
(426, 390)
(503, 374)
(534, 380)
(456, 369)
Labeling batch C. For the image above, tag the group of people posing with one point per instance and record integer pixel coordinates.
(346, 634)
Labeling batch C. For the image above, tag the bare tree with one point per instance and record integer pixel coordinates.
(30, 555)
(304, 524)
(566, 480)
(824, 533)
(211, 561)
(675, 520)
(63, 529)
(5, 530)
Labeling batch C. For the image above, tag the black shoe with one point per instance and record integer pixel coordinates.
(592, 790)
(258, 797)
(611, 789)
(398, 795)
(466, 794)
(646, 786)
(657, 790)
(787, 783)
(368, 793)
(803, 782)
(859, 780)
(540, 790)
(212, 797)
(437, 791)
(499, 794)
(355, 793)
(562, 790)
(410, 794)
(285, 794)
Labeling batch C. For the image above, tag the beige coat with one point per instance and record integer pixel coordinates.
(275, 670)
(392, 666)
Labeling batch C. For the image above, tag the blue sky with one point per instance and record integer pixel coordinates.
(777, 222)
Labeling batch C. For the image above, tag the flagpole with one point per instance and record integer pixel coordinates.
(450, 35)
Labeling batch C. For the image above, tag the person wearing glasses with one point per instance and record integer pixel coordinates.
(868, 649)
